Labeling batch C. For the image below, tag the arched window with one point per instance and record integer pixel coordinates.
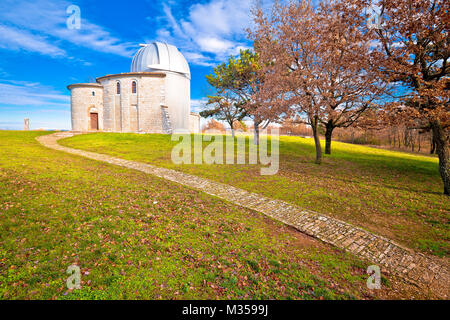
(118, 88)
(133, 87)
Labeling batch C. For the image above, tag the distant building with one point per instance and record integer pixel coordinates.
(154, 97)
(26, 124)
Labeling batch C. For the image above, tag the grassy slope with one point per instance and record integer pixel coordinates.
(395, 194)
(137, 236)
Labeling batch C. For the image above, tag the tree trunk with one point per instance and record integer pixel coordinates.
(328, 133)
(232, 130)
(315, 129)
(418, 141)
(442, 148)
(256, 135)
(433, 144)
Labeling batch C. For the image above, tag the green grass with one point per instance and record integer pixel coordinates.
(395, 194)
(135, 236)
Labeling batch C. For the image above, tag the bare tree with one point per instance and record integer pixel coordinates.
(224, 107)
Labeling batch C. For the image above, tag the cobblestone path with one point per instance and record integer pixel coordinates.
(427, 272)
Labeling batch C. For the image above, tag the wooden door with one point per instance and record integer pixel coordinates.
(94, 121)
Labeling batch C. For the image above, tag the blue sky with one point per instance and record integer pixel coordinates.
(40, 56)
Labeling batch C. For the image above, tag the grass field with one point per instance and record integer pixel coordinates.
(135, 236)
(398, 195)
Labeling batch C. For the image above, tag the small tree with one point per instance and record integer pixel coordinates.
(226, 104)
(238, 79)
(240, 125)
(214, 126)
(224, 108)
(291, 128)
(247, 81)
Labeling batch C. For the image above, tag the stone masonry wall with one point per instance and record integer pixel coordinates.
(131, 112)
(82, 102)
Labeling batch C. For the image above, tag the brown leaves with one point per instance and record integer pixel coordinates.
(413, 50)
(314, 64)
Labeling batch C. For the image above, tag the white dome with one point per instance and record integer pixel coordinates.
(159, 56)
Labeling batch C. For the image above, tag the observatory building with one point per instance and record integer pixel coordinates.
(154, 97)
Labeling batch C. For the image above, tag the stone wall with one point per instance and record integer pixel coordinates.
(178, 100)
(194, 123)
(133, 112)
(84, 99)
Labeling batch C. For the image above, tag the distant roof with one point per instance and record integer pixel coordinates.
(158, 56)
(131, 74)
(88, 84)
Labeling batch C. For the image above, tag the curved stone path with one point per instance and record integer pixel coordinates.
(427, 272)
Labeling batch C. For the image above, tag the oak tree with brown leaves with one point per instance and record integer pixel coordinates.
(412, 49)
(287, 44)
(315, 67)
(213, 126)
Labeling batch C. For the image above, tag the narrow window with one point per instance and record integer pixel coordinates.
(118, 88)
(133, 87)
(93, 93)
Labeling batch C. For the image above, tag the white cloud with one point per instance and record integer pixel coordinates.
(198, 105)
(221, 17)
(22, 93)
(210, 32)
(214, 45)
(40, 26)
(96, 38)
(198, 59)
(16, 39)
(3, 73)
